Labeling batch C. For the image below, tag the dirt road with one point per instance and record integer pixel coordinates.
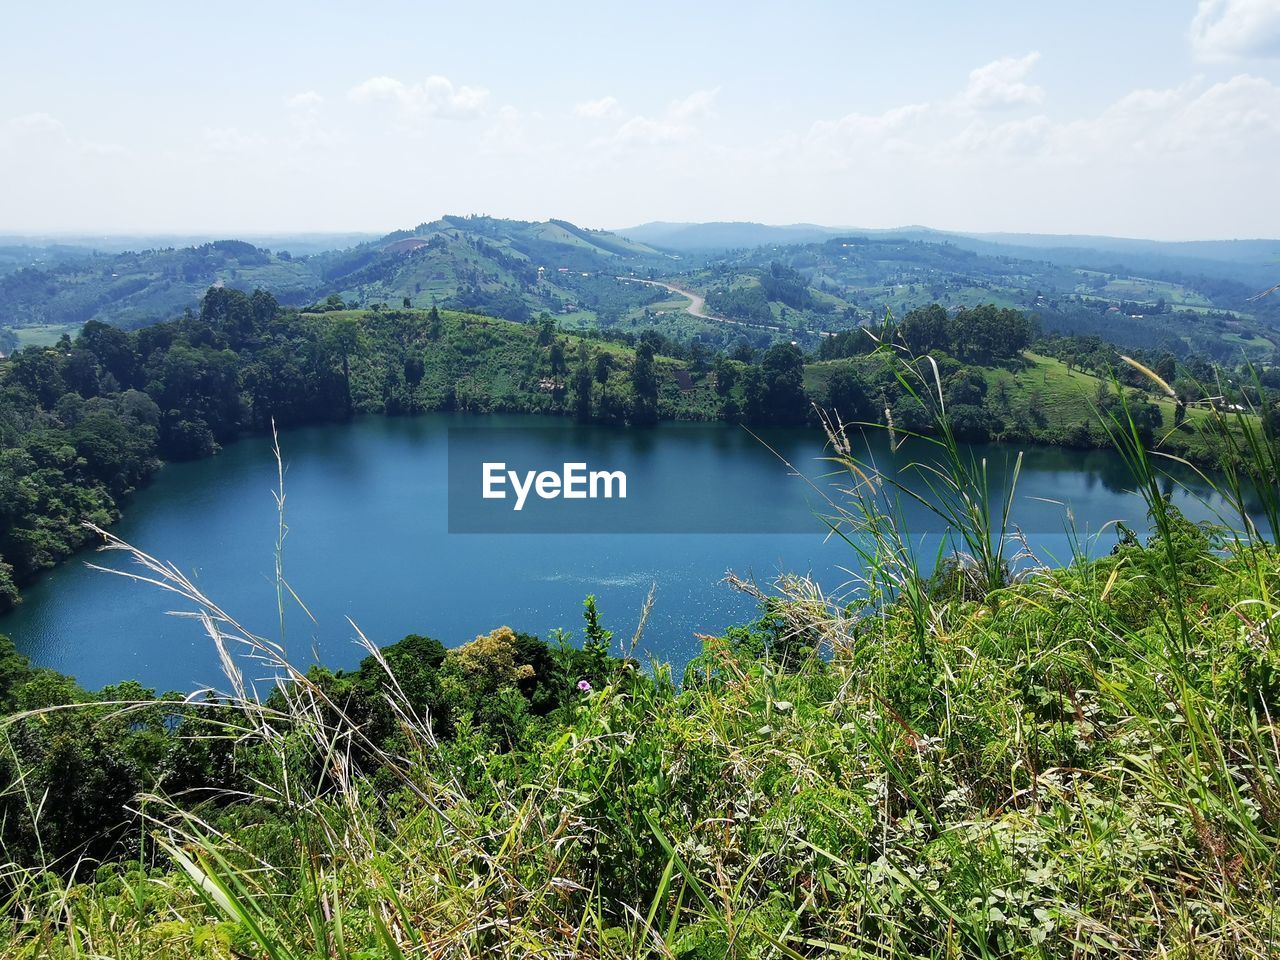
(698, 305)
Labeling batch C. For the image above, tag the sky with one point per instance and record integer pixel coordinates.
(1142, 118)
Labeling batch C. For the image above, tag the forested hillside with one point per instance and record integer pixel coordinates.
(812, 289)
(504, 268)
(785, 290)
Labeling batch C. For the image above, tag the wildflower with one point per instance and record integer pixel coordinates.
(584, 686)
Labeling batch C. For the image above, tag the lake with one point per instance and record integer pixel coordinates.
(369, 537)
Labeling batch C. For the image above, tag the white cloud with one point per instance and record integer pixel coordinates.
(695, 105)
(232, 140)
(642, 130)
(310, 128)
(1236, 29)
(510, 135)
(41, 131)
(677, 123)
(434, 96)
(36, 123)
(1198, 139)
(1002, 83)
(858, 136)
(868, 126)
(606, 108)
(1012, 138)
(1231, 118)
(307, 100)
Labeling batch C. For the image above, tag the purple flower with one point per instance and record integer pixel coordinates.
(584, 686)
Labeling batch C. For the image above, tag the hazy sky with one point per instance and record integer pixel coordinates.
(1152, 118)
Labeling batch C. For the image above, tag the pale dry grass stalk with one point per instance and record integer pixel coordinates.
(302, 713)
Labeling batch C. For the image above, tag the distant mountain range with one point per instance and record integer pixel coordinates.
(1256, 262)
(797, 281)
(505, 266)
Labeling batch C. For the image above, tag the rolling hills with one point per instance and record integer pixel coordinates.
(510, 268)
(795, 282)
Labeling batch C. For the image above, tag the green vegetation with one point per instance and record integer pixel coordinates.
(468, 263)
(86, 421)
(786, 284)
(136, 288)
(978, 757)
(42, 335)
(814, 288)
(996, 389)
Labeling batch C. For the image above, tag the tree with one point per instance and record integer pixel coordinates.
(343, 339)
(754, 396)
(556, 359)
(924, 330)
(644, 381)
(967, 386)
(198, 390)
(986, 333)
(726, 376)
(113, 351)
(603, 364)
(846, 395)
(782, 372)
(582, 380)
(8, 587)
(229, 313)
(37, 370)
(546, 329)
(264, 307)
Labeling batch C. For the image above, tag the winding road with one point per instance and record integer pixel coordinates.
(698, 307)
(698, 304)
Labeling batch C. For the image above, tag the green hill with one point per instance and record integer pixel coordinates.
(134, 289)
(854, 279)
(477, 263)
(780, 290)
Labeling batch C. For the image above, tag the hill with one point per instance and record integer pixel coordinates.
(1226, 270)
(509, 268)
(777, 283)
(65, 290)
(717, 237)
(503, 267)
(721, 236)
(813, 288)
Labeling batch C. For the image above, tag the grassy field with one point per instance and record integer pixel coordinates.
(1064, 403)
(1149, 291)
(45, 334)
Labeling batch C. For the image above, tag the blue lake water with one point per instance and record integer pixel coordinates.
(369, 538)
